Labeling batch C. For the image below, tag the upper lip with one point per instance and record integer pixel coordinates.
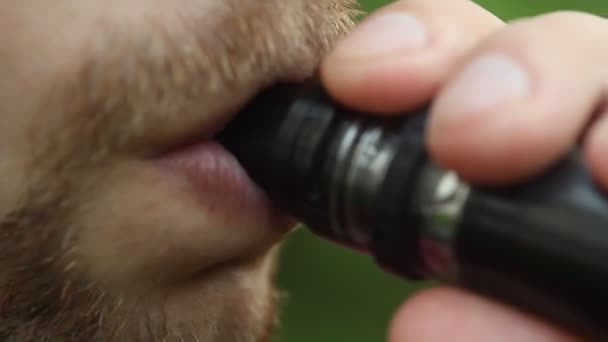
(206, 128)
(209, 129)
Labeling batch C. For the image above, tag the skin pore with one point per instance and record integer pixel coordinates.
(100, 237)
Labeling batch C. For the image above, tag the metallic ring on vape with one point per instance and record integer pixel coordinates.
(441, 197)
(349, 134)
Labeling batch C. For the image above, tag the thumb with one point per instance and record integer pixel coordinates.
(399, 56)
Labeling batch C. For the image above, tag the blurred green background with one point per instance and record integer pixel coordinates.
(336, 295)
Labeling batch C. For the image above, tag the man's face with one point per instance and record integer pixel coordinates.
(120, 219)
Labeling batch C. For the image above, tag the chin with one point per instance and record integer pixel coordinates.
(236, 302)
(232, 302)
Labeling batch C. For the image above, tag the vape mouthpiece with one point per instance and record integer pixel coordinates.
(339, 171)
(367, 182)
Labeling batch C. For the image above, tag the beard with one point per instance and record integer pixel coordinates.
(92, 248)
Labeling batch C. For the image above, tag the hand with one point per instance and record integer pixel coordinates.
(509, 100)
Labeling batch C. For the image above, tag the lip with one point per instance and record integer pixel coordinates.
(207, 168)
(245, 222)
(209, 173)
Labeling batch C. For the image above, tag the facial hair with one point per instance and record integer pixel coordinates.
(130, 87)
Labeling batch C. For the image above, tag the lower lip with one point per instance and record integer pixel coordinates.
(212, 173)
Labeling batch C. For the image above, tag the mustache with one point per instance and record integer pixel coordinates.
(139, 92)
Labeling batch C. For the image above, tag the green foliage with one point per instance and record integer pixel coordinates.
(521, 8)
(336, 295)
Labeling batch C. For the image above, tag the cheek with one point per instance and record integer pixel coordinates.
(39, 49)
(13, 180)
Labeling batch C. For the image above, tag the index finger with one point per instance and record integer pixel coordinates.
(399, 56)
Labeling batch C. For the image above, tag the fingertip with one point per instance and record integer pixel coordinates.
(398, 57)
(389, 86)
(480, 152)
(442, 314)
(411, 322)
(503, 116)
(489, 122)
(383, 66)
(471, 115)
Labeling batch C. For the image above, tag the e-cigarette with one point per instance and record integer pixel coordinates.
(367, 182)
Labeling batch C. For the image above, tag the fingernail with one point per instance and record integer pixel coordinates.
(486, 83)
(382, 35)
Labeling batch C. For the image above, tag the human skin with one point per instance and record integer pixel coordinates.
(120, 219)
(508, 100)
(116, 226)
